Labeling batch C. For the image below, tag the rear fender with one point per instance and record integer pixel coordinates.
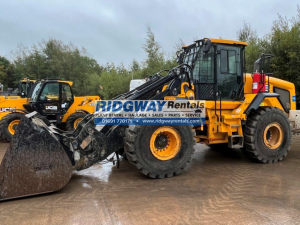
(11, 110)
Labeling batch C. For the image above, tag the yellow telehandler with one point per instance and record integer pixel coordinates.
(52, 99)
(254, 112)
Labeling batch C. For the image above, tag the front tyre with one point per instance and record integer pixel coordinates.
(8, 125)
(267, 135)
(160, 151)
(73, 120)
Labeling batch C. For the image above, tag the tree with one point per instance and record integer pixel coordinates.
(155, 56)
(246, 33)
(135, 66)
(253, 51)
(6, 73)
(283, 42)
(55, 59)
(285, 45)
(114, 83)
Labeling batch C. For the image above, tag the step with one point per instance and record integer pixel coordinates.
(238, 144)
(235, 125)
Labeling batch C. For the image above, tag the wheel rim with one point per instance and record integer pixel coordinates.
(12, 126)
(273, 135)
(165, 143)
(76, 122)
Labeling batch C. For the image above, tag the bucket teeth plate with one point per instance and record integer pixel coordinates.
(34, 163)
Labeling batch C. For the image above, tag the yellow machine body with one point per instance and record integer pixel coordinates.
(223, 123)
(233, 112)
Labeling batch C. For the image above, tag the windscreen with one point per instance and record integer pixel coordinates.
(202, 63)
(36, 92)
(190, 54)
(203, 71)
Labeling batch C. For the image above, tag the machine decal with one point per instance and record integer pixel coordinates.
(171, 112)
(6, 109)
(51, 107)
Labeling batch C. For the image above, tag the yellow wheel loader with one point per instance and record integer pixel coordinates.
(52, 99)
(256, 115)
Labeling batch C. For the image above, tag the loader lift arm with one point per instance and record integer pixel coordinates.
(90, 145)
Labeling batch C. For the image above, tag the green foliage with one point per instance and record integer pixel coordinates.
(285, 45)
(246, 33)
(283, 42)
(155, 56)
(114, 83)
(116, 80)
(6, 73)
(55, 59)
(254, 49)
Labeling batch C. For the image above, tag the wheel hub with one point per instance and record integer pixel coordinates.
(13, 126)
(161, 142)
(273, 136)
(165, 143)
(76, 122)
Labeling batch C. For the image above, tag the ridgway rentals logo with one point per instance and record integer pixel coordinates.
(151, 112)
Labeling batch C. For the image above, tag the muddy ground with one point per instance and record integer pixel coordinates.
(220, 187)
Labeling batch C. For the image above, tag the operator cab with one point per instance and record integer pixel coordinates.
(25, 87)
(217, 68)
(52, 99)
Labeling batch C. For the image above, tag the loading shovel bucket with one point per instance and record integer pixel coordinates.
(34, 163)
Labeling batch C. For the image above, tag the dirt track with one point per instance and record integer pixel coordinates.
(220, 187)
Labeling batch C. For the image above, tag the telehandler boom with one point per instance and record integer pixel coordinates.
(241, 112)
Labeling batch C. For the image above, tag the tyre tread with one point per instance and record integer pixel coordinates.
(129, 146)
(249, 131)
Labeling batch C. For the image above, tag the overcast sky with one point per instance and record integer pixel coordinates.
(115, 30)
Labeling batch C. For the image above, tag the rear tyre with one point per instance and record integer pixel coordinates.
(73, 120)
(160, 151)
(8, 125)
(267, 135)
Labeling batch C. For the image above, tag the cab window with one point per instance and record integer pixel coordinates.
(66, 96)
(66, 93)
(204, 67)
(50, 92)
(229, 65)
(228, 61)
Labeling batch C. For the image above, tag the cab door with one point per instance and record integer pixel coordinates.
(67, 97)
(229, 71)
(49, 100)
(54, 100)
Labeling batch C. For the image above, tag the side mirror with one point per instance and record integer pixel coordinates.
(206, 46)
(263, 63)
(257, 66)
